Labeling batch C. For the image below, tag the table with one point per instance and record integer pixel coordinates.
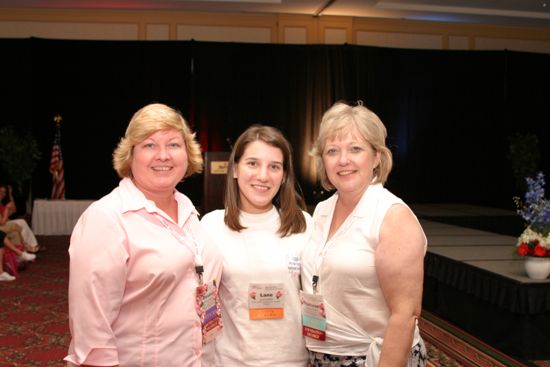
(510, 315)
(56, 217)
(474, 280)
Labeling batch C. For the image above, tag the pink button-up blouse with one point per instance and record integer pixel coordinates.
(132, 282)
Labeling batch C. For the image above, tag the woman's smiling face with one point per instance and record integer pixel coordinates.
(349, 162)
(159, 162)
(259, 175)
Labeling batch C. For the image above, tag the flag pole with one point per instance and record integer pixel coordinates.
(56, 163)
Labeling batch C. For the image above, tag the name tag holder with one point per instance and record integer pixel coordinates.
(266, 301)
(314, 319)
(209, 311)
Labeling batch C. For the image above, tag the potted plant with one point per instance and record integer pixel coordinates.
(534, 243)
(19, 156)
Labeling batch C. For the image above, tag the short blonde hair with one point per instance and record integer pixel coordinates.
(146, 121)
(341, 119)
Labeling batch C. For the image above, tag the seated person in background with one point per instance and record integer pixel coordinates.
(11, 255)
(4, 277)
(8, 208)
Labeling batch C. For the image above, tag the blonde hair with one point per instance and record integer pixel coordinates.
(146, 121)
(342, 118)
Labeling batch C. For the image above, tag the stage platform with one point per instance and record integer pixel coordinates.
(474, 279)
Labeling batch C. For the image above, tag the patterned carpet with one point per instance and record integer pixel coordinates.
(449, 345)
(33, 310)
(34, 329)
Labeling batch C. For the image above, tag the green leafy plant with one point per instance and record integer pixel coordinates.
(19, 155)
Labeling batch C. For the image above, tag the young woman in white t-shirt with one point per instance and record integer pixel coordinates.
(260, 234)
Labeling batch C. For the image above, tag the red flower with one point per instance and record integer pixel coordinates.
(202, 289)
(539, 250)
(523, 249)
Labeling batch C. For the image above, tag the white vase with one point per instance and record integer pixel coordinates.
(537, 267)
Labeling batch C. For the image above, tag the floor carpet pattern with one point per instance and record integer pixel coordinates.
(34, 328)
(449, 345)
(33, 310)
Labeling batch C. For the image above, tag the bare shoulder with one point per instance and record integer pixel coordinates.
(399, 212)
(400, 226)
(401, 216)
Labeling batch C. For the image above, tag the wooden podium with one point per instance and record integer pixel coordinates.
(213, 189)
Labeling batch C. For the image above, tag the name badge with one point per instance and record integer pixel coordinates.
(314, 318)
(266, 301)
(209, 311)
(293, 264)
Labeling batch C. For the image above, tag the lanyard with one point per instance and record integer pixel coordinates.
(187, 238)
(321, 253)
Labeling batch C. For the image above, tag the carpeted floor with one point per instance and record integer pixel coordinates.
(34, 329)
(33, 310)
(449, 345)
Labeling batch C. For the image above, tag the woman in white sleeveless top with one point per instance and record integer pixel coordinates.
(362, 271)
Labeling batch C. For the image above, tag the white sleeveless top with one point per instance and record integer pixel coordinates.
(357, 314)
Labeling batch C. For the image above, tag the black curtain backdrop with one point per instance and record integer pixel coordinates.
(449, 113)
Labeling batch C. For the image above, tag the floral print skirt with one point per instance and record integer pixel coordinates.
(417, 358)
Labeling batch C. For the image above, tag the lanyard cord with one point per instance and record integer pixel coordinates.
(318, 263)
(184, 239)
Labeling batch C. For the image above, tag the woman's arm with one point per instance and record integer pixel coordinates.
(96, 286)
(11, 208)
(11, 246)
(399, 261)
(11, 202)
(4, 214)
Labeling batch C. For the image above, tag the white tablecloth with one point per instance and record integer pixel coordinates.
(56, 217)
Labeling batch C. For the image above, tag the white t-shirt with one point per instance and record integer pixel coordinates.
(357, 314)
(258, 255)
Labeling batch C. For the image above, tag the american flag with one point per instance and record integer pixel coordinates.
(56, 165)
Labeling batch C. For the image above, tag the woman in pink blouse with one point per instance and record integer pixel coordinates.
(141, 267)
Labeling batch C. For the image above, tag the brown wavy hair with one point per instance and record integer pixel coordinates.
(288, 200)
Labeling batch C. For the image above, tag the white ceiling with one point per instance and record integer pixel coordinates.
(501, 12)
